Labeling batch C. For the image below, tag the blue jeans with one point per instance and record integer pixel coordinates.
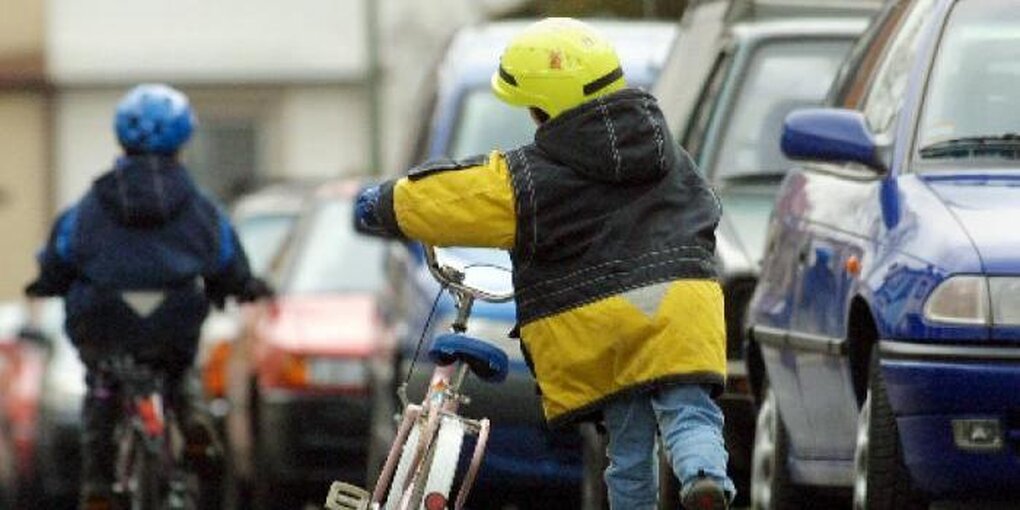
(691, 425)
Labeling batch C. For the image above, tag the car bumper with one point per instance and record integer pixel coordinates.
(314, 438)
(58, 456)
(928, 393)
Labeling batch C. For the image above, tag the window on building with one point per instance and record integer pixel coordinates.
(223, 157)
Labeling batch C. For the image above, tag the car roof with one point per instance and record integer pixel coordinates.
(474, 51)
(346, 187)
(285, 197)
(785, 27)
(744, 10)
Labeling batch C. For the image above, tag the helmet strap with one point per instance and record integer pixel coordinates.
(538, 114)
(603, 81)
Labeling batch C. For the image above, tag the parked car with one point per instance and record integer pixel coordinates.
(12, 460)
(262, 220)
(886, 312)
(524, 457)
(42, 382)
(726, 89)
(301, 378)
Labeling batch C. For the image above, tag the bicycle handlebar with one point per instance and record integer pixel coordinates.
(454, 279)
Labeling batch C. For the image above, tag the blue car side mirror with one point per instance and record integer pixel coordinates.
(830, 134)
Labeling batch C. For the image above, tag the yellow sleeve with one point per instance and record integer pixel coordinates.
(471, 206)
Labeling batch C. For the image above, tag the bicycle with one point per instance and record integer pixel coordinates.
(422, 463)
(149, 467)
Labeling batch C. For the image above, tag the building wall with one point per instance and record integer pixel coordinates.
(323, 132)
(24, 173)
(21, 28)
(201, 41)
(279, 92)
(24, 180)
(298, 131)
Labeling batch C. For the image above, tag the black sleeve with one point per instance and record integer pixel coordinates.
(387, 216)
(231, 274)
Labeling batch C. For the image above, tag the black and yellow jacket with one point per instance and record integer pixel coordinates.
(611, 232)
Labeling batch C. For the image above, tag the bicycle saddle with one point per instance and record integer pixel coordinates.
(484, 359)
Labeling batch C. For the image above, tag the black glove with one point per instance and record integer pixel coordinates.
(45, 287)
(254, 290)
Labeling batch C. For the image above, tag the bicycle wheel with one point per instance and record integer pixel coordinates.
(418, 475)
(404, 468)
(144, 477)
(442, 463)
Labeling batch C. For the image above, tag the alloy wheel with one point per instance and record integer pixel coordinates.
(763, 458)
(861, 456)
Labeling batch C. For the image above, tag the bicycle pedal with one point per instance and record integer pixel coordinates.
(344, 496)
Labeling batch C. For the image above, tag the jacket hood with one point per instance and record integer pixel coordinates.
(619, 138)
(144, 191)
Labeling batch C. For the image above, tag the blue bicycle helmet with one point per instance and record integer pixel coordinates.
(155, 119)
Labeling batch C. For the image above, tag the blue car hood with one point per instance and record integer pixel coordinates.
(988, 208)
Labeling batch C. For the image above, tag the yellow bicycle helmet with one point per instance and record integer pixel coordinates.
(557, 64)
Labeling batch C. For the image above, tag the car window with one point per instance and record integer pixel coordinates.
(330, 256)
(261, 236)
(694, 137)
(863, 55)
(888, 87)
(974, 87)
(477, 133)
(783, 75)
(852, 81)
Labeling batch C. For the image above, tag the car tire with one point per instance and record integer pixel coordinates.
(881, 480)
(771, 485)
(594, 495)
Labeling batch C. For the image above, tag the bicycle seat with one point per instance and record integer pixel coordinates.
(484, 359)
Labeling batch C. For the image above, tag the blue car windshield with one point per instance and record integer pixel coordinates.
(972, 105)
(478, 133)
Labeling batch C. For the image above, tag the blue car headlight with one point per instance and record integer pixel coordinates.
(975, 300)
(1004, 294)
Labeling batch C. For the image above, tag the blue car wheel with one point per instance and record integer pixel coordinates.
(772, 487)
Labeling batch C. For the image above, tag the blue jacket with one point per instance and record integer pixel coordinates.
(143, 233)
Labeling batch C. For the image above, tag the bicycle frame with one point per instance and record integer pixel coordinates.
(144, 423)
(401, 485)
(442, 400)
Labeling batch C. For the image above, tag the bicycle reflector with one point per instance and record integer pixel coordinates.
(152, 419)
(435, 501)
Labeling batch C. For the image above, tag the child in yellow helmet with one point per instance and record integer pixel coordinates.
(612, 234)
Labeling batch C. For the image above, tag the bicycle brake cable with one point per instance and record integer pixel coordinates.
(424, 330)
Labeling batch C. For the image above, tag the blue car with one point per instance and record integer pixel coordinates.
(887, 315)
(524, 458)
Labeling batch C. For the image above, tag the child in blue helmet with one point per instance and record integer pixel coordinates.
(138, 259)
